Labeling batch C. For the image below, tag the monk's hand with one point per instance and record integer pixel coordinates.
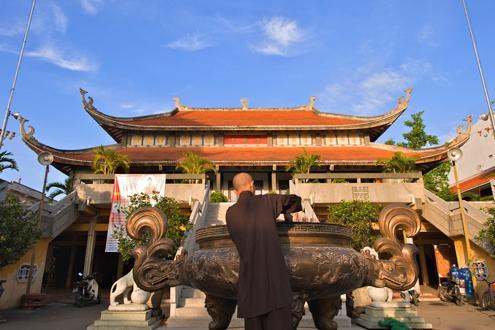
(288, 217)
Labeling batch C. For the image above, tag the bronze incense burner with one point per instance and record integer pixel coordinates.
(321, 262)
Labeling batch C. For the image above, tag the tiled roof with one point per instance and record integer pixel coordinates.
(244, 118)
(477, 180)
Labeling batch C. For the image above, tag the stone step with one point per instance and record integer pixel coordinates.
(107, 315)
(125, 324)
(191, 312)
(194, 302)
(192, 323)
(188, 292)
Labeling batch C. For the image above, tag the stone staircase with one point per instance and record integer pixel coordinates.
(446, 217)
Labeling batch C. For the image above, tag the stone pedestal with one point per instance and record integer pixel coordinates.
(126, 320)
(400, 311)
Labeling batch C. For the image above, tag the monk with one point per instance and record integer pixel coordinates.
(264, 294)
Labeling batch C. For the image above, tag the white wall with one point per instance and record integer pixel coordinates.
(478, 152)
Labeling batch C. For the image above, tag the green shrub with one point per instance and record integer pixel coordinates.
(218, 197)
(178, 223)
(359, 216)
(487, 234)
(19, 230)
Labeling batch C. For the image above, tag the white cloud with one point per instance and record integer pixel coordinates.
(60, 21)
(427, 36)
(279, 36)
(190, 42)
(91, 6)
(142, 108)
(55, 56)
(365, 93)
(12, 29)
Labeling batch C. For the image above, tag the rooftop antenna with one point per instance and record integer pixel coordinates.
(480, 68)
(19, 60)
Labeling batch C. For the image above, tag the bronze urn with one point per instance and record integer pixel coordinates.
(321, 262)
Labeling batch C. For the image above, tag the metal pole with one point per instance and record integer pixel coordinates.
(463, 215)
(480, 68)
(33, 253)
(19, 60)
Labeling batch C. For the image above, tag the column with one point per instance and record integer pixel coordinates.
(274, 178)
(90, 247)
(460, 251)
(422, 263)
(70, 271)
(218, 179)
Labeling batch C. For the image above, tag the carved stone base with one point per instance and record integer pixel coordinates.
(128, 320)
(398, 310)
(128, 307)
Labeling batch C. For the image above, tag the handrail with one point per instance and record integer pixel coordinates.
(110, 177)
(316, 176)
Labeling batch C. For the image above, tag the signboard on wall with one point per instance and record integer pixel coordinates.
(124, 186)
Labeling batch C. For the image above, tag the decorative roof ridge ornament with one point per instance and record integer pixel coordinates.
(88, 105)
(244, 103)
(29, 134)
(465, 131)
(311, 105)
(403, 103)
(177, 103)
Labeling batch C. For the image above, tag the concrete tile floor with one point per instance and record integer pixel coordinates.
(55, 316)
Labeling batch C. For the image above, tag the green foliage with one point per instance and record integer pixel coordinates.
(178, 223)
(416, 138)
(7, 162)
(194, 164)
(108, 161)
(391, 142)
(359, 216)
(218, 197)
(487, 234)
(399, 163)
(19, 230)
(437, 181)
(303, 163)
(61, 188)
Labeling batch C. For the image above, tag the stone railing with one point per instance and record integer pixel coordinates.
(96, 189)
(328, 188)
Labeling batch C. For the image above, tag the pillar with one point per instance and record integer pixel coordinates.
(422, 264)
(120, 267)
(460, 251)
(90, 247)
(70, 271)
(218, 179)
(274, 178)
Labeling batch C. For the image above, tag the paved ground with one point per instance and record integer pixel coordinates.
(55, 316)
(448, 316)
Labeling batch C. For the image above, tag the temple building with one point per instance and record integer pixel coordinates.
(261, 141)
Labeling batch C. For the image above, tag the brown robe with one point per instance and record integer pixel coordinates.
(263, 277)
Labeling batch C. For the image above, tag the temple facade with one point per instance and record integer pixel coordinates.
(262, 142)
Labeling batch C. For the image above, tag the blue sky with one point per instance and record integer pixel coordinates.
(134, 56)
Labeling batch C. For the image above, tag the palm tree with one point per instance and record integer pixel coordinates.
(7, 162)
(194, 164)
(62, 188)
(303, 163)
(399, 163)
(108, 161)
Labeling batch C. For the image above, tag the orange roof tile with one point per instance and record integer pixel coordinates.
(477, 180)
(244, 118)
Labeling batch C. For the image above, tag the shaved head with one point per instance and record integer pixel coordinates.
(243, 182)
